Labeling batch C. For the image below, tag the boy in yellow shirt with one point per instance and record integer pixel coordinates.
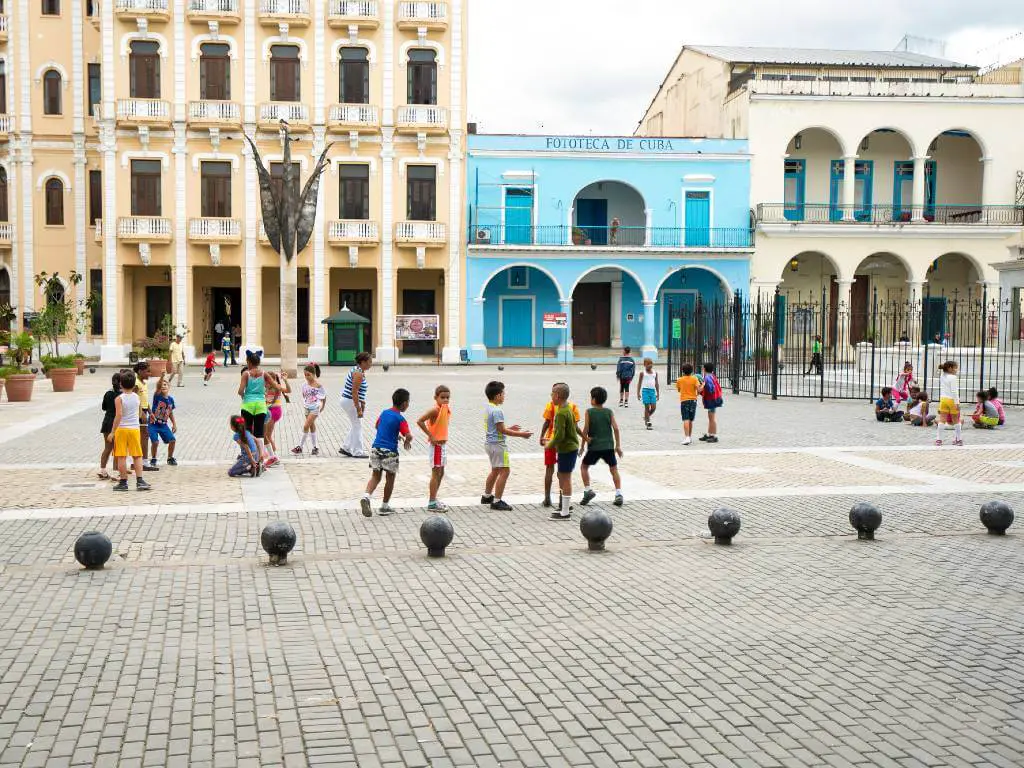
(689, 387)
(546, 431)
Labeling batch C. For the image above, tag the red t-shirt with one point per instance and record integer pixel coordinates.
(210, 362)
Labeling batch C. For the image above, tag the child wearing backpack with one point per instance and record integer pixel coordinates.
(711, 394)
(625, 370)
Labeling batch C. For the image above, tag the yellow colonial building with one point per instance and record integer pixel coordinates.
(122, 158)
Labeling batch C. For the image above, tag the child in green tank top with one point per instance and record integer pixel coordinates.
(601, 438)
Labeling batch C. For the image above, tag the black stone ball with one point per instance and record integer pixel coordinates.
(596, 527)
(278, 539)
(92, 369)
(724, 523)
(997, 516)
(437, 533)
(501, 367)
(593, 366)
(866, 518)
(93, 549)
(386, 367)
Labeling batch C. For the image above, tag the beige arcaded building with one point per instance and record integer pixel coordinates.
(122, 159)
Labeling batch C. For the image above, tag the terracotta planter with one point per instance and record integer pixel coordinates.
(19, 387)
(157, 366)
(63, 379)
(80, 364)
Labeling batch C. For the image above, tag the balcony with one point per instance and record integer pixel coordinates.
(221, 11)
(630, 238)
(143, 112)
(429, 234)
(422, 14)
(364, 118)
(881, 215)
(215, 230)
(864, 85)
(151, 10)
(422, 118)
(214, 114)
(6, 234)
(353, 232)
(363, 14)
(275, 12)
(6, 124)
(144, 229)
(3, 27)
(296, 114)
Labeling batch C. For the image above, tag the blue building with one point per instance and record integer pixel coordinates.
(615, 232)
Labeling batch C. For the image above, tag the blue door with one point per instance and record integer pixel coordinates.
(518, 216)
(516, 322)
(592, 218)
(698, 219)
(679, 306)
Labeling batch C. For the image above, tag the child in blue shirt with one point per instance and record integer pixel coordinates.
(886, 408)
(246, 463)
(162, 412)
(391, 427)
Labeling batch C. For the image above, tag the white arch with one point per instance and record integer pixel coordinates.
(707, 268)
(824, 129)
(630, 272)
(199, 40)
(899, 131)
(604, 180)
(976, 265)
(369, 45)
(219, 157)
(152, 37)
(56, 67)
(832, 263)
(298, 42)
(908, 268)
(554, 280)
(972, 134)
(403, 58)
(52, 173)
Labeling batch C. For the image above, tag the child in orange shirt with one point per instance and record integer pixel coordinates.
(546, 432)
(434, 424)
(689, 387)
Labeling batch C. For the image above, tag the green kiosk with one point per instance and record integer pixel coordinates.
(344, 336)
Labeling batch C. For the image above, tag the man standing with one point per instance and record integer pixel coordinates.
(236, 347)
(177, 351)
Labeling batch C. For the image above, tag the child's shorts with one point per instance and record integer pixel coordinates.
(608, 457)
(276, 412)
(313, 410)
(986, 422)
(161, 432)
(208, 371)
(949, 406)
(127, 442)
(497, 453)
(649, 396)
(567, 462)
(382, 460)
(688, 408)
(550, 457)
(624, 386)
(438, 456)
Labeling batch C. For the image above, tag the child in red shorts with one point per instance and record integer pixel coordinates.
(550, 456)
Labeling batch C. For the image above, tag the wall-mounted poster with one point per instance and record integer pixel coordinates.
(417, 327)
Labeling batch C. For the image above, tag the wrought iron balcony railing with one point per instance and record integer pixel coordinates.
(952, 215)
(611, 237)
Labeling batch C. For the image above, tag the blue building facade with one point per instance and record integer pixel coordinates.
(614, 232)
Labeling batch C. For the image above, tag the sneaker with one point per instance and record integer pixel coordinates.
(958, 442)
(559, 516)
(142, 485)
(273, 461)
(686, 441)
(588, 496)
(315, 452)
(938, 442)
(626, 405)
(712, 439)
(650, 426)
(365, 508)
(487, 499)
(437, 506)
(172, 462)
(297, 450)
(385, 510)
(122, 485)
(703, 439)
(152, 462)
(619, 501)
(501, 506)
(150, 467)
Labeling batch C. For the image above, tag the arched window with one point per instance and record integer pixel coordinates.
(285, 74)
(54, 203)
(54, 292)
(215, 71)
(354, 76)
(53, 84)
(422, 85)
(3, 196)
(144, 70)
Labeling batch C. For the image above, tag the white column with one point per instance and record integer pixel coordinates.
(250, 264)
(78, 139)
(112, 351)
(917, 210)
(27, 229)
(989, 196)
(456, 230)
(616, 313)
(845, 298)
(650, 346)
(319, 274)
(849, 187)
(568, 228)
(565, 348)
(182, 285)
(475, 331)
(12, 186)
(915, 290)
(387, 352)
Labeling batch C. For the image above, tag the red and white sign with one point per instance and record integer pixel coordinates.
(556, 320)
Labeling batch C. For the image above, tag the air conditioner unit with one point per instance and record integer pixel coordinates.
(483, 235)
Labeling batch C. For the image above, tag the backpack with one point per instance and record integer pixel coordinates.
(712, 395)
(626, 369)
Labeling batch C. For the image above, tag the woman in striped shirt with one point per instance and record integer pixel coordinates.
(353, 403)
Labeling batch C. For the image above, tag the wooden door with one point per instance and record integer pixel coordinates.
(591, 315)
(859, 308)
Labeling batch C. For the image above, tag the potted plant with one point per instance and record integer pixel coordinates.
(82, 320)
(580, 237)
(18, 380)
(61, 370)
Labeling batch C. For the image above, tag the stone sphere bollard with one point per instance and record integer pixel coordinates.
(997, 516)
(93, 549)
(866, 518)
(724, 523)
(92, 369)
(501, 367)
(596, 527)
(278, 539)
(593, 366)
(386, 367)
(437, 533)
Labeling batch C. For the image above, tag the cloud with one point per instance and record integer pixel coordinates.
(592, 66)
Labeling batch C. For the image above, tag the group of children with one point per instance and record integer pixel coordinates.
(906, 402)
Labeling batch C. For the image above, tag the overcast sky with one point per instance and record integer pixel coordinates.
(592, 66)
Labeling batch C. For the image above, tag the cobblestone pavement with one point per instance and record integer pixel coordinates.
(797, 646)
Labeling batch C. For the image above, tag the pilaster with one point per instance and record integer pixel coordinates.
(112, 350)
(616, 313)
(917, 212)
(319, 279)
(250, 270)
(450, 352)
(386, 351)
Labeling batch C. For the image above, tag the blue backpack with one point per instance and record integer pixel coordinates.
(626, 369)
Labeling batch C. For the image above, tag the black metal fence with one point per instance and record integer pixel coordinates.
(817, 349)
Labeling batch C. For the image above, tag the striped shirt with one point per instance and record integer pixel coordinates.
(346, 393)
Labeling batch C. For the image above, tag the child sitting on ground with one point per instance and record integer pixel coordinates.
(911, 402)
(985, 415)
(917, 413)
(247, 463)
(885, 407)
(993, 397)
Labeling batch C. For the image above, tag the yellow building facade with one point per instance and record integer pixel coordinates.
(123, 159)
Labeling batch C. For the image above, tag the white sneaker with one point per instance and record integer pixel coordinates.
(385, 510)
(686, 441)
